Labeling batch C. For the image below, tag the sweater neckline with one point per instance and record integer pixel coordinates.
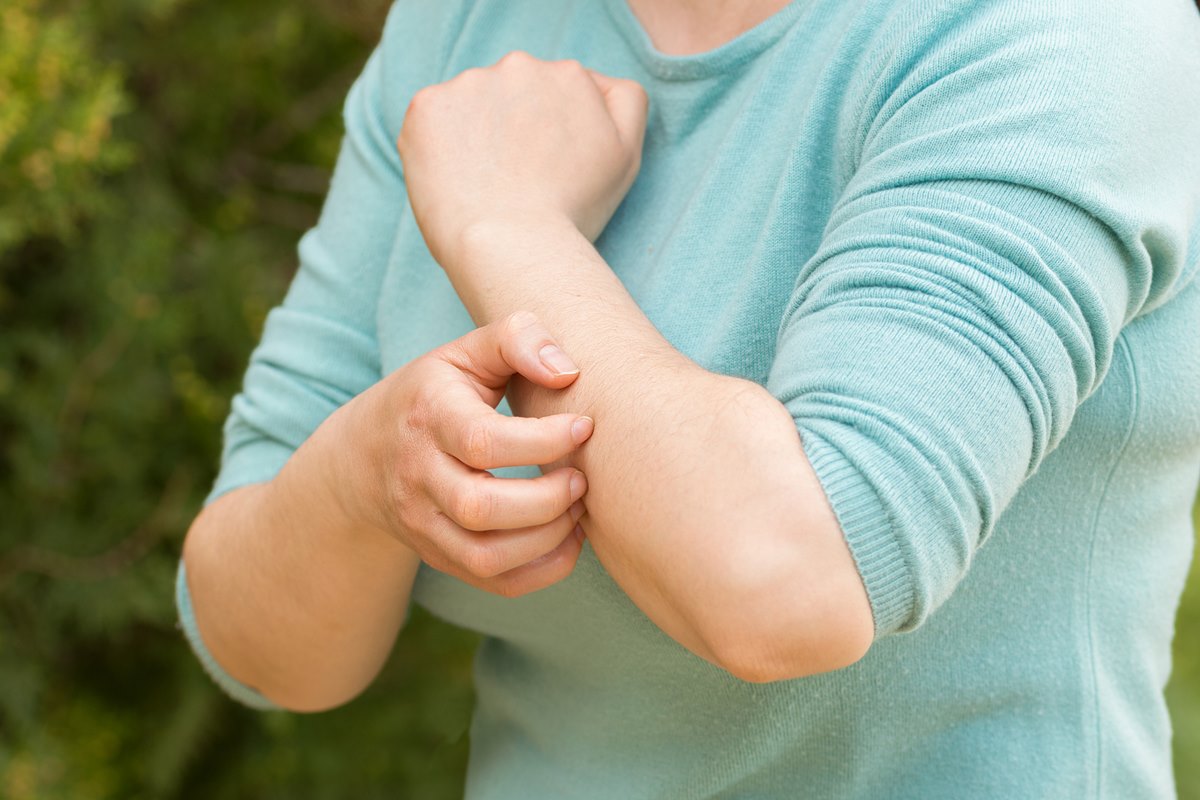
(737, 51)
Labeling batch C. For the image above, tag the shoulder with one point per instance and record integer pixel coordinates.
(1062, 48)
(1089, 90)
(1062, 23)
(1092, 103)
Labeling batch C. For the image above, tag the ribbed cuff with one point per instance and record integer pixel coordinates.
(868, 530)
(230, 685)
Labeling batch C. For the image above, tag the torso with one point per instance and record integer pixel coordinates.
(576, 686)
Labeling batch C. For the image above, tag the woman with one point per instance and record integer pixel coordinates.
(895, 280)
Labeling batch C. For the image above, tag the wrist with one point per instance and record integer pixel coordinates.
(516, 236)
(523, 262)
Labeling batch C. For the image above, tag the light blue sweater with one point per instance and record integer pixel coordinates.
(958, 239)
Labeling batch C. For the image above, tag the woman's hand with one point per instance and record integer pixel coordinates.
(422, 439)
(523, 141)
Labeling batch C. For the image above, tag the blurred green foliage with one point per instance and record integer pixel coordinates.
(1183, 691)
(158, 160)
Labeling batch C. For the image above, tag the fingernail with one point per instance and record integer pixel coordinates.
(576, 511)
(578, 485)
(579, 533)
(581, 429)
(557, 361)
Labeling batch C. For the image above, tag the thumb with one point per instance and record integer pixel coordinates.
(627, 104)
(517, 345)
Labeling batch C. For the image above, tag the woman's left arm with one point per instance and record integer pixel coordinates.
(701, 503)
(1021, 186)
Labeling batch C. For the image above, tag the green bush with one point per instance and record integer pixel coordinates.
(1183, 692)
(56, 116)
(158, 160)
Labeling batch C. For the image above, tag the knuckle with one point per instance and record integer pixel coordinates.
(571, 66)
(470, 79)
(516, 57)
(483, 560)
(520, 321)
(477, 443)
(471, 507)
(510, 588)
(401, 496)
(420, 99)
(419, 417)
(421, 409)
(400, 503)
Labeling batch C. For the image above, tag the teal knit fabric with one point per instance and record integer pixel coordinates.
(958, 240)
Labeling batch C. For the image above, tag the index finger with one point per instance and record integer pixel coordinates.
(481, 437)
(517, 344)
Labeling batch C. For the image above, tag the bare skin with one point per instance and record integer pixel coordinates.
(300, 584)
(686, 27)
(711, 465)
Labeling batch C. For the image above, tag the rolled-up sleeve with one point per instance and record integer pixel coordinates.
(1022, 187)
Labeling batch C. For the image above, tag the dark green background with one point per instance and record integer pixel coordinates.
(158, 161)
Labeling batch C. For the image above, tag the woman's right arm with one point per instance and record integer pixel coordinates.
(336, 480)
(289, 595)
(299, 585)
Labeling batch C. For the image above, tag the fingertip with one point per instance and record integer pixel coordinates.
(578, 485)
(557, 362)
(581, 429)
(542, 376)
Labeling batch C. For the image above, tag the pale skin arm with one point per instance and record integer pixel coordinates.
(300, 584)
(702, 505)
(291, 596)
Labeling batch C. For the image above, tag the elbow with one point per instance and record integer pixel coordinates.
(792, 603)
(770, 655)
(243, 661)
(766, 653)
(791, 612)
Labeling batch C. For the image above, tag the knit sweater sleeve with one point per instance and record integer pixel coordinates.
(1022, 180)
(319, 347)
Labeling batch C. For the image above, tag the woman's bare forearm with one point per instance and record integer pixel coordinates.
(291, 596)
(702, 504)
